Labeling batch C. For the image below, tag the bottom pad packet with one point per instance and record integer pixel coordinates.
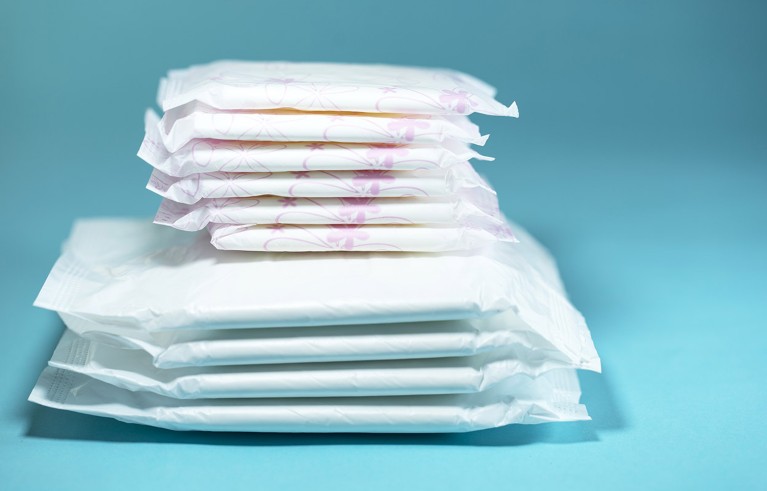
(226, 347)
(133, 370)
(138, 276)
(552, 396)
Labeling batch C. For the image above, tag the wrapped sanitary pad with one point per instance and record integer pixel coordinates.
(181, 125)
(550, 397)
(134, 274)
(267, 210)
(457, 180)
(330, 87)
(133, 370)
(358, 238)
(436, 339)
(210, 155)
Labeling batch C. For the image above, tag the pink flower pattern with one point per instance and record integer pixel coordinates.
(369, 181)
(458, 100)
(343, 236)
(407, 127)
(287, 202)
(355, 210)
(385, 154)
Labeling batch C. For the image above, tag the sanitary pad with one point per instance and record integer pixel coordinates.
(436, 339)
(458, 180)
(550, 397)
(133, 370)
(330, 87)
(181, 125)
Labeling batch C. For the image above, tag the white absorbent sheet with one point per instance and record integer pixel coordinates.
(551, 397)
(330, 87)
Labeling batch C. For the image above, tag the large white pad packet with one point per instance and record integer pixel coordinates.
(211, 155)
(226, 347)
(180, 126)
(133, 370)
(135, 275)
(550, 397)
(459, 179)
(330, 87)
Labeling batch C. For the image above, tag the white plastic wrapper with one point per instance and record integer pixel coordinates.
(266, 210)
(320, 184)
(330, 87)
(181, 125)
(551, 397)
(210, 155)
(135, 275)
(435, 238)
(128, 277)
(133, 370)
(437, 339)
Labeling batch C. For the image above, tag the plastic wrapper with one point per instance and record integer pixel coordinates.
(137, 276)
(436, 339)
(133, 370)
(181, 125)
(433, 238)
(132, 273)
(265, 210)
(211, 155)
(551, 397)
(330, 87)
(459, 179)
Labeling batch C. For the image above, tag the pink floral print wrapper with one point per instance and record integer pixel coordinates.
(360, 238)
(212, 155)
(320, 211)
(183, 124)
(319, 184)
(330, 87)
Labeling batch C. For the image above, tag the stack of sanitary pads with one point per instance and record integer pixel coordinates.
(317, 157)
(332, 263)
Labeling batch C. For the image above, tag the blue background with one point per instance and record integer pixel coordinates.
(640, 159)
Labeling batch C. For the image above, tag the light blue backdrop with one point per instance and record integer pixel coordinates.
(640, 159)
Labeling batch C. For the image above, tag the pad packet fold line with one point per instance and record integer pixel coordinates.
(133, 370)
(194, 121)
(330, 86)
(551, 397)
